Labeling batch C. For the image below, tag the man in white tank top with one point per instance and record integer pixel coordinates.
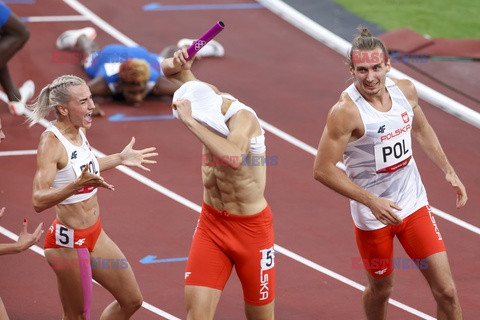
(370, 129)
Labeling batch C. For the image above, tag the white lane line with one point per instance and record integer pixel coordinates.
(99, 22)
(17, 153)
(55, 18)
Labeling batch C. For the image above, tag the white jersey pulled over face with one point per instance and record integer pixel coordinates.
(381, 160)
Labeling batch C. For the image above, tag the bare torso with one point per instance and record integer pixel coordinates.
(78, 215)
(237, 191)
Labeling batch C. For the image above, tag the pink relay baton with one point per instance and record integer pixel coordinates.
(203, 40)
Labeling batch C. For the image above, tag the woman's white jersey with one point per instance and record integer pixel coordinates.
(78, 158)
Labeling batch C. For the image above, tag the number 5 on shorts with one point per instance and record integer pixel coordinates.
(268, 259)
(63, 236)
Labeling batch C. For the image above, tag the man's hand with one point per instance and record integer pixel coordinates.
(180, 59)
(459, 188)
(382, 209)
(184, 110)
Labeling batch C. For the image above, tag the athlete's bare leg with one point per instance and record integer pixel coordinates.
(201, 302)
(376, 295)
(68, 281)
(441, 282)
(119, 281)
(3, 311)
(265, 312)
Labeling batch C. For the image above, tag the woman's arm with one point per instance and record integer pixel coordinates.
(25, 240)
(49, 154)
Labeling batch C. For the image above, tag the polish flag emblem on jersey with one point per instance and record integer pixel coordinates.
(405, 117)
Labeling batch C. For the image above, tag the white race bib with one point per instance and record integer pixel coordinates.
(393, 154)
(63, 236)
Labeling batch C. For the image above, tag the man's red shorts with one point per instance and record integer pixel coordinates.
(419, 235)
(59, 236)
(222, 240)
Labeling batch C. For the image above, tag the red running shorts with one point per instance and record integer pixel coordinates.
(419, 235)
(60, 236)
(224, 240)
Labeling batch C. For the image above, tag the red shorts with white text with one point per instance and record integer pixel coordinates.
(224, 240)
(60, 236)
(419, 235)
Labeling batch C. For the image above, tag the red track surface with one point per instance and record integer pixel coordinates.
(291, 80)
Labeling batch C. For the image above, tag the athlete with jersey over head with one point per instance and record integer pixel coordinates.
(371, 128)
(235, 227)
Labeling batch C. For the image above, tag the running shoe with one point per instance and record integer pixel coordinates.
(16, 107)
(68, 39)
(26, 93)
